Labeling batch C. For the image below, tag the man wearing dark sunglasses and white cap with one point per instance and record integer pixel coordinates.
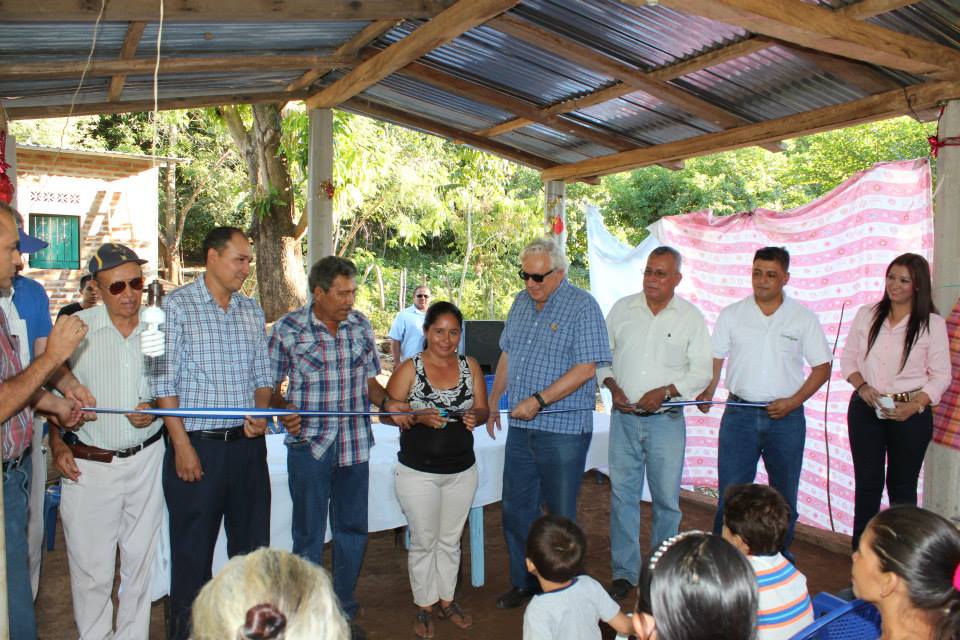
(111, 493)
(552, 344)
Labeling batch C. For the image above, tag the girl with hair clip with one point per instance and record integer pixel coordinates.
(697, 586)
(269, 595)
(897, 357)
(908, 565)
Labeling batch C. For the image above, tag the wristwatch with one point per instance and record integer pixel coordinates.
(539, 398)
(666, 394)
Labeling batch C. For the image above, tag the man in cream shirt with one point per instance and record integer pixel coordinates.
(661, 350)
(111, 493)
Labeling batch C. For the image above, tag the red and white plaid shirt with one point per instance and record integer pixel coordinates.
(18, 430)
(946, 415)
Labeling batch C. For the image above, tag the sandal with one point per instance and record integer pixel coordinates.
(455, 614)
(423, 627)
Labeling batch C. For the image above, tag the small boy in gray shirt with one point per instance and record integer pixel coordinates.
(572, 603)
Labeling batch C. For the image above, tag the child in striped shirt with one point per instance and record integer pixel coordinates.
(755, 521)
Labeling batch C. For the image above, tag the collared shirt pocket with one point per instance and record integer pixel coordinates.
(674, 355)
(788, 343)
(310, 364)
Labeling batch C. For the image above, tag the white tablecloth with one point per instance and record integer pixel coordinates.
(384, 509)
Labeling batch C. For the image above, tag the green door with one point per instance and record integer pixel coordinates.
(62, 233)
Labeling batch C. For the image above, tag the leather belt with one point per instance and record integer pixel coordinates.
(88, 452)
(903, 396)
(14, 463)
(223, 435)
(735, 398)
(647, 414)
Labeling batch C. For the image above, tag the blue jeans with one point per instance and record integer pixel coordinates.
(16, 497)
(746, 435)
(316, 485)
(539, 468)
(655, 445)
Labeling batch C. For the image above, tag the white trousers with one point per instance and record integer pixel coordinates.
(38, 488)
(436, 506)
(115, 504)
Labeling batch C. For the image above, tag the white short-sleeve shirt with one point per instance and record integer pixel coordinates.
(571, 613)
(765, 354)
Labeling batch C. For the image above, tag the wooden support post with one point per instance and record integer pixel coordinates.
(555, 194)
(320, 220)
(4, 610)
(942, 468)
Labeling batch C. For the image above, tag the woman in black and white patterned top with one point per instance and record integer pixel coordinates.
(437, 475)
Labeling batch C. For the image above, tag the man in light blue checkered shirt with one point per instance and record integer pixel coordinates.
(216, 356)
(553, 342)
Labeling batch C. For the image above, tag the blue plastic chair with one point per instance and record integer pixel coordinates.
(51, 502)
(504, 403)
(838, 619)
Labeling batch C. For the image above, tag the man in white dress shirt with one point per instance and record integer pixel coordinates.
(111, 494)
(767, 337)
(661, 351)
(406, 332)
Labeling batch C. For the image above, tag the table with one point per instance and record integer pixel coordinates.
(384, 509)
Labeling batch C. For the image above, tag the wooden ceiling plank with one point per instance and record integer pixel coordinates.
(873, 8)
(504, 127)
(221, 10)
(180, 64)
(127, 51)
(371, 109)
(884, 105)
(347, 50)
(825, 30)
(135, 106)
(459, 18)
(484, 94)
(571, 50)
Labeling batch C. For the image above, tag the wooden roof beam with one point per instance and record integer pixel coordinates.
(506, 102)
(349, 49)
(135, 106)
(884, 105)
(179, 64)
(127, 51)
(220, 10)
(824, 30)
(366, 107)
(452, 22)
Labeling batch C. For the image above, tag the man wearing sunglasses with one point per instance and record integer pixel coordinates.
(110, 494)
(406, 332)
(552, 343)
(215, 469)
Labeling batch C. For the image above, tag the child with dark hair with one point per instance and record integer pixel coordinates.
(755, 521)
(572, 603)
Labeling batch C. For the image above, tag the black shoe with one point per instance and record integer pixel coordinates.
(514, 598)
(619, 589)
(357, 632)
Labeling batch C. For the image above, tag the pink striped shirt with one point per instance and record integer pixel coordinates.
(927, 367)
(17, 430)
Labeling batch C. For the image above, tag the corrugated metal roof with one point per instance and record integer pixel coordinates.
(180, 38)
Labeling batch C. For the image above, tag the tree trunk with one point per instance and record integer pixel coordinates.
(169, 244)
(281, 277)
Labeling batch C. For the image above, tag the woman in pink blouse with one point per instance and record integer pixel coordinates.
(897, 357)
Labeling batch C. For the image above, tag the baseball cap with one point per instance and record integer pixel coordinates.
(112, 255)
(30, 244)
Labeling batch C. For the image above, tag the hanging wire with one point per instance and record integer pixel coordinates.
(155, 115)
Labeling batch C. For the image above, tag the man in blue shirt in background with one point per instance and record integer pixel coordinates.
(406, 332)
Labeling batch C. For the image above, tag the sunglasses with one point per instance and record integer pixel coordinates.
(536, 277)
(422, 295)
(118, 287)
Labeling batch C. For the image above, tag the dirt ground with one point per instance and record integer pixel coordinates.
(384, 590)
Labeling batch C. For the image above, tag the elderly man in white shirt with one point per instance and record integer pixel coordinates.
(767, 338)
(661, 351)
(111, 495)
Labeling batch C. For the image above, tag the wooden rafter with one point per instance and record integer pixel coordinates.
(365, 107)
(179, 64)
(824, 30)
(877, 107)
(220, 10)
(127, 51)
(753, 44)
(503, 101)
(459, 18)
(135, 106)
(347, 50)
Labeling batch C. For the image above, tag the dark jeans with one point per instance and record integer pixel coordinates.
(748, 434)
(315, 486)
(539, 468)
(235, 488)
(16, 497)
(884, 450)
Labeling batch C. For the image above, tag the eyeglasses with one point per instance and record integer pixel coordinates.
(118, 287)
(423, 295)
(658, 274)
(536, 277)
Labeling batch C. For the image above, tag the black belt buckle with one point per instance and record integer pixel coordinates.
(220, 435)
(130, 451)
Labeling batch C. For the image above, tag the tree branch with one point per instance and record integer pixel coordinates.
(182, 214)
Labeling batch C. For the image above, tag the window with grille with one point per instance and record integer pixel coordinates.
(62, 233)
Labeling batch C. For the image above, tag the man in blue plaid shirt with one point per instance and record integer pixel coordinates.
(214, 469)
(327, 354)
(552, 344)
